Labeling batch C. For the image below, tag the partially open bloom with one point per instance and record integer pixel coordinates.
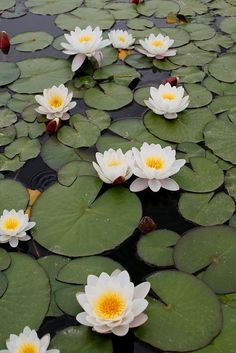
(153, 166)
(55, 102)
(114, 166)
(28, 342)
(157, 46)
(84, 43)
(121, 39)
(167, 100)
(112, 303)
(13, 227)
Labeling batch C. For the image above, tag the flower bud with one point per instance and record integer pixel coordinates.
(147, 225)
(172, 80)
(53, 126)
(4, 42)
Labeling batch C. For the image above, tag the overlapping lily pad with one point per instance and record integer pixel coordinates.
(52, 7)
(5, 259)
(7, 118)
(23, 147)
(32, 41)
(222, 68)
(13, 195)
(192, 56)
(160, 9)
(9, 72)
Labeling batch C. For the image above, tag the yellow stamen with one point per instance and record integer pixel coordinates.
(121, 38)
(28, 348)
(154, 162)
(168, 95)
(157, 43)
(85, 38)
(11, 223)
(113, 163)
(109, 305)
(55, 101)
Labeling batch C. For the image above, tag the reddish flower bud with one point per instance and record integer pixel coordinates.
(147, 225)
(119, 180)
(4, 42)
(53, 126)
(172, 80)
(136, 1)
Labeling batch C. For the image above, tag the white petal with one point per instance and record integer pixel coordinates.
(139, 320)
(44, 342)
(139, 305)
(169, 184)
(13, 241)
(77, 62)
(154, 185)
(139, 185)
(121, 330)
(141, 290)
(81, 318)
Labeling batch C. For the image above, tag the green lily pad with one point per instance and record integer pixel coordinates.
(23, 147)
(199, 95)
(5, 259)
(12, 165)
(222, 104)
(228, 26)
(222, 68)
(141, 94)
(139, 61)
(4, 98)
(28, 285)
(230, 182)
(191, 55)
(187, 317)
(204, 176)
(156, 248)
(108, 96)
(6, 4)
(77, 271)
(13, 195)
(19, 102)
(222, 144)
(52, 265)
(81, 339)
(131, 133)
(139, 23)
(109, 56)
(7, 135)
(122, 11)
(206, 209)
(83, 17)
(71, 171)
(190, 74)
(160, 9)
(29, 113)
(9, 72)
(33, 130)
(7, 118)
(215, 43)
(164, 64)
(221, 8)
(3, 284)
(31, 41)
(220, 88)
(52, 7)
(199, 31)
(191, 7)
(120, 74)
(73, 234)
(187, 150)
(212, 249)
(65, 299)
(40, 73)
(188, 127)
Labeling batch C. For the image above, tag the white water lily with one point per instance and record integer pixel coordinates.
(112, 304)
(153, 166)
(13, 227)
(121, 39)
(84, 43)
(55, 102)
(167, 100)
(28, 342)
(157, 46)
(114, 166)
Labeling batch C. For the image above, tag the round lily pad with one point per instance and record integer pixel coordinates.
(215, 43)
(156, 248)
(203, 176)
(199, 31)
(139, 61)
(187, 317)
(122, 11)
(189, 74)
(190, 55)
(5, 259)
(7, 117)
(139, 23)
(4, 98)
(52, 7)
(222, 104)
(192, 7)
(81, 338)
(9, 72)
(73, 234)
(6, 4)
(160, 9)
(65, 299)
(206, 209)
(19, 102)
(32, 41)
(13, 195)
(28, 285)
(188, 127)
(212, 249)
(220, 88)
(7, 135)
(7, 164)
(199, 95)
(23, 147)
(188, 150)
(71, 171)
(141, 94)
(3, 284)
(222, 68)
(77, 271)
(120, 74)
(230, 182)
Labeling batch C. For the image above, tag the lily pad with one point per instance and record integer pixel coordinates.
(77, 271)
(222, 104)
(199, 95)
(73, 234)
(192, 7)
(108, 96)
(4, 98)
(199, 31)
(188, 150)
(40, 73)
(81, 338)
(206, 209)
(190, 74)
(31, 41)
(222, 68)
(139, 61)
(7, 118)
(188, 127)
(215, 43)
(139, 23)
(122, 11)
(9, 72)
(5, 259)
(220, 88)
(13, 195)
(7, 135)
(19, 102)
(33, 296)
(71, 171)
(12, 165)
(160, 9)
(191, 55)
(65, 299)
(212, 249)
(52, 7)
(156, 248)
(3, 284)
(6, 4)
(23, 147)
(184, 319)
(230, 182)
(120, 74)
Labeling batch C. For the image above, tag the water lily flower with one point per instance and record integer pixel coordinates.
(157, 46)
(28, 342)
(84, 43)
(112, 304)
(153, 166)
(13, 227)
(167, 100)
(121, 39)
(114, 166)
(55, 102)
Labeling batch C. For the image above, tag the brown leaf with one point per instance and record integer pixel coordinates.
(123, 53)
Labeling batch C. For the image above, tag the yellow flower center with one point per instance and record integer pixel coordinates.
(121, 38)
(55, 101)
(85, 38)
(109, 305)
(11, 223)
(168, 95)
(154, 162)
(157, 43)
(28, 348)
(113, 163)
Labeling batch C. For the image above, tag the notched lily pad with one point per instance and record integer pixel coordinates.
(71, 171)
(31, 41)
(23, 147)
(7, 117)
(9, 72)
(13, 195)
(52, 7)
